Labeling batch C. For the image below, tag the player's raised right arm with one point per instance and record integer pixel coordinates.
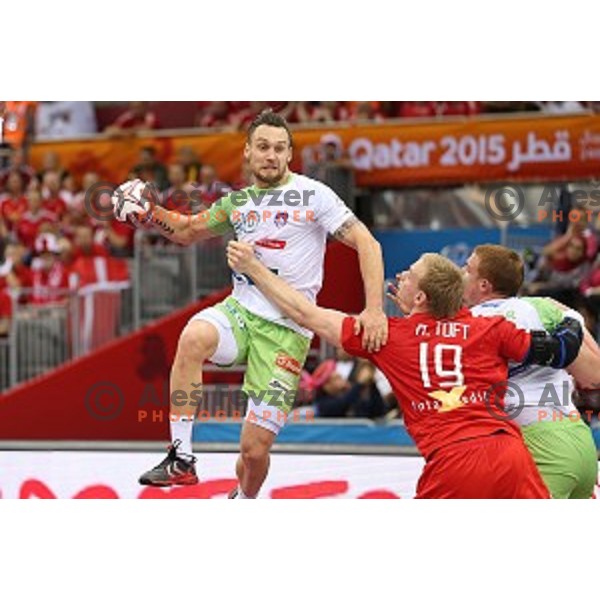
(326, 323)
(132, 204)
(182, 229)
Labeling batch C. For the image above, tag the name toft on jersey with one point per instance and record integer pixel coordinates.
(449, 375)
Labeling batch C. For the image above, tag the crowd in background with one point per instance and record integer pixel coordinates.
(24, 120)
(568, 268)
(47, 230)
(48, 221)
(344, 387)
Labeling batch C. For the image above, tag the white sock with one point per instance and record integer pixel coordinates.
(242, 496)
(181, 429)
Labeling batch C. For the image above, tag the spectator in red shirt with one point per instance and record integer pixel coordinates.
(150, 169)
(566, 261)
(69, 190)
(216, 114)
(418, 109)
(5, 312)
(210, 188)
(77, 206)
(117, 237)
(366, 111)
(53, 200)
(452, 108)
(84, 244)
(17, 162)
(34, 184)
(245, 179)
(569, 257)
(13, 204)
(321, 112)
(51, 162)
(577, 246)
(14, 274)
(180, 197)
(137, 118)
(244, 116)
(35, 220)
(50, 275)
(18, 275)
(187, 157)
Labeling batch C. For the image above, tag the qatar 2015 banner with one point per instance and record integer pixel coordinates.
(383, 155)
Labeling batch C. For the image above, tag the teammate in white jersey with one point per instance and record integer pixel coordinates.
(287, 217)
(538, 398)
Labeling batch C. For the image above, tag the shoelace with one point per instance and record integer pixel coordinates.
(187, 458)
(171, 455)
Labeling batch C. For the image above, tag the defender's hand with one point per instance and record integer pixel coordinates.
(240, 256)
(374, 324)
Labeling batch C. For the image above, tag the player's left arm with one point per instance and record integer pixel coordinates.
(372, 320)
(585, 369)
(326, 323)
(557, 349)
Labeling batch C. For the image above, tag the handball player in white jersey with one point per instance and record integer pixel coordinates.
(559, 440)
(287, 217)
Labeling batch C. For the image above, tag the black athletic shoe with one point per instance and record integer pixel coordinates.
(173, 470)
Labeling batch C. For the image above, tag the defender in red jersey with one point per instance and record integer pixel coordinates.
(442, 363)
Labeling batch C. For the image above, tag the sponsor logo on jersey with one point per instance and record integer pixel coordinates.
(449, 400)
(252, 220)
(246, 222)
(271, 244)
(281, 218)
(288, 363)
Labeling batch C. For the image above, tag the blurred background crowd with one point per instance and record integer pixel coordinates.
(51, 244)
(58, 120)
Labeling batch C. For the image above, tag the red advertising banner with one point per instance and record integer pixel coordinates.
(398, 154)
(114, 475)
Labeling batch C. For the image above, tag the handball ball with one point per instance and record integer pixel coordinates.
(133, 191)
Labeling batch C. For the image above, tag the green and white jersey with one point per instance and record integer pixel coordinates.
(546, 391)
(288, 226)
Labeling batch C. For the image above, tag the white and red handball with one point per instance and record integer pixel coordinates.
(130, 204)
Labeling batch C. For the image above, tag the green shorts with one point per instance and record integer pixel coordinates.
(274, 354)
(566, 456)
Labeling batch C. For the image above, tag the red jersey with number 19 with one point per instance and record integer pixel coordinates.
(444, 373)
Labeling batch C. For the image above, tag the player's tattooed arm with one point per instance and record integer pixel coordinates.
(180, 228)
(372, 321)
(162, 224)
(342, 232)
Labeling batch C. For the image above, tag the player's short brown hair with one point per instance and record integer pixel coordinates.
(502, 267)
(443, 284)
(272, 119)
